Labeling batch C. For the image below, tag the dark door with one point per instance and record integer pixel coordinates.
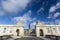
(17, 32)
(41, 32)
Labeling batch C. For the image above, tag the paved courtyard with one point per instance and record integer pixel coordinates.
(23, 38)
(27, 38)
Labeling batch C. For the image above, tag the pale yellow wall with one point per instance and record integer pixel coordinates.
(39, 26)
(7, 32)
(21, 31)
(45, 31)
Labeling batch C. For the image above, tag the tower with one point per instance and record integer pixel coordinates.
(29, 26)
(29, 29)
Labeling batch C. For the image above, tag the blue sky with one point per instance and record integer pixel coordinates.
(30, 11)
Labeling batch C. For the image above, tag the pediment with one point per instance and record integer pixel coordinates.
(19, 23)
(39, 23)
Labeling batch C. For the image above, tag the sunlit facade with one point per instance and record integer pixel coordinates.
(43, 29)
(12, 29)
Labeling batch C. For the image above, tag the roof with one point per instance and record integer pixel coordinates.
(19, 23)
(39, 23)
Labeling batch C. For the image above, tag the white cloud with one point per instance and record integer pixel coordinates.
(58, 5)
(33, 25)
(1, 12)
(55, 7)
(25, 17)
(57, 21)
(14, 5)
(41, 9)
(49, 22)
(52, 9)
(56, 15)
(49, 16)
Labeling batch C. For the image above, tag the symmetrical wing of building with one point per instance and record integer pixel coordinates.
(15, 29)
(43, 30)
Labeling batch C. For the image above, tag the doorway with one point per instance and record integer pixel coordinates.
(41, 32)
(17, 31)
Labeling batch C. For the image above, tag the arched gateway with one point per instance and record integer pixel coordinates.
(17, 31)
(41, 32)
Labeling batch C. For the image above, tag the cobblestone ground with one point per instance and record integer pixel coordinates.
(28, 38)
(23, 38)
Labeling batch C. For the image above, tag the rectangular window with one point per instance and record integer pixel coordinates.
(54, 29)
(59, 29)
(4, 30)
(48, 30)
(10, 30)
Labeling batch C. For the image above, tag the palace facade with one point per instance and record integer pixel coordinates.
(15, 29)
(44, 30)
(40, 29)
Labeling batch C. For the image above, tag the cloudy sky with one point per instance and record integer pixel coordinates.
(30, 11)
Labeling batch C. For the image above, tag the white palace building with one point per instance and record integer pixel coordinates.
(15, 29)
(43, 29)
(40, 29)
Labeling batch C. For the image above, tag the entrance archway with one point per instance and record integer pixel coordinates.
(17, 31)
(41, 32)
